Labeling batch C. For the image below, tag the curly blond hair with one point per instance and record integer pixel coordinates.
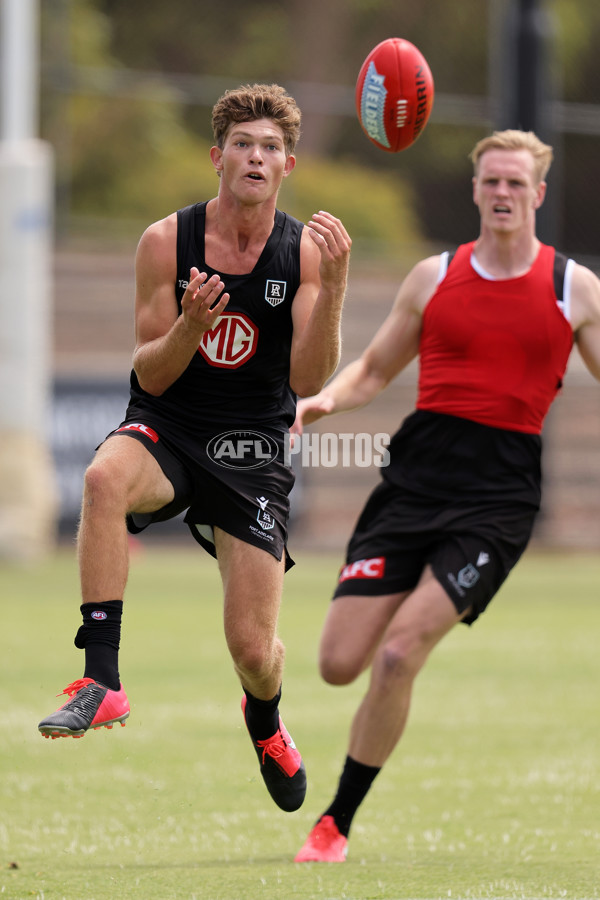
(257, 101)
(513, 139)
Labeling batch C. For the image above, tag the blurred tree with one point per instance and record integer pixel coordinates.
(320, 42)
(307, 44)
(133, 158)
(298, 41)
(115, 146)
(109, 143)
(578, 31)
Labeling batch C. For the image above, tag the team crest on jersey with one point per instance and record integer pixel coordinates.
(230, 342)
(264, 518)
(275, 292)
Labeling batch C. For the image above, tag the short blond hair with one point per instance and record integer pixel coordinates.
(513, 139)
(257, 101)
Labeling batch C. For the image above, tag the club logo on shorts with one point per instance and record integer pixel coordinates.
(275, 292)
(468, 576)
(242, 449)
(230, 342)
(363, 568)
(264, 518)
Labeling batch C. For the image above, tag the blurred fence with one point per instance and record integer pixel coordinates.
(93, 346)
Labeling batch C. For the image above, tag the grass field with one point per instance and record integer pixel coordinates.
(493, 793)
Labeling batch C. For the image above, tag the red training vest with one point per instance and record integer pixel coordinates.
(494, 351)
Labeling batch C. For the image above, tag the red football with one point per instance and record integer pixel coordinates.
(394, 94)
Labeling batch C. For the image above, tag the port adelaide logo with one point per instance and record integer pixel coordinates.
(242, 450)
(275, 292)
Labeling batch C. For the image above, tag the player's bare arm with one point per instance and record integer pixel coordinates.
(166, 340)
(394, 346)
(585, 316)
(317, 306)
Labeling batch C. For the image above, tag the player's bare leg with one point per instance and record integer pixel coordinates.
(122, 477)
(253, 583)
(420, 620)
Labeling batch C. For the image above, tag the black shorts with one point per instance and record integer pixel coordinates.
(250, 504)
(471, 547)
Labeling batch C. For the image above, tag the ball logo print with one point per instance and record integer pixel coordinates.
(394, 94)
(230, 342)
(242, 449)
(372, 106)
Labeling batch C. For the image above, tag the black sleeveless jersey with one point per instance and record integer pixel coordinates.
(239, 376)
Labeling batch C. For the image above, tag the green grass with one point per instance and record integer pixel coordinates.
(494, 791)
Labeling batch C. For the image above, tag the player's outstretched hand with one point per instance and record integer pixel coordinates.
(334, 244)
(308, 410)
(199, 303)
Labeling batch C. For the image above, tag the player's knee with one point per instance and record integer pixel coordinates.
(398, 660)
(250, 658)
(338, 669)
(102, 482)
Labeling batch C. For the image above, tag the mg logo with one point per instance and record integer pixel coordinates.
(230, 342)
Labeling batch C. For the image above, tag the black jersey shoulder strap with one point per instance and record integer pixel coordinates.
(190, 234)
(443, 270)
(560, 267)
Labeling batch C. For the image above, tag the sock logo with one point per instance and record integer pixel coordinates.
(99, 615)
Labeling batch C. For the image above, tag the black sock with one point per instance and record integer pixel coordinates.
(355, 781)
(100, 637)
(262, 716)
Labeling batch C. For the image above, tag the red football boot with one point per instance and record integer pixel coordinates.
(325, 843)
(281, 767)
(90, 705)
